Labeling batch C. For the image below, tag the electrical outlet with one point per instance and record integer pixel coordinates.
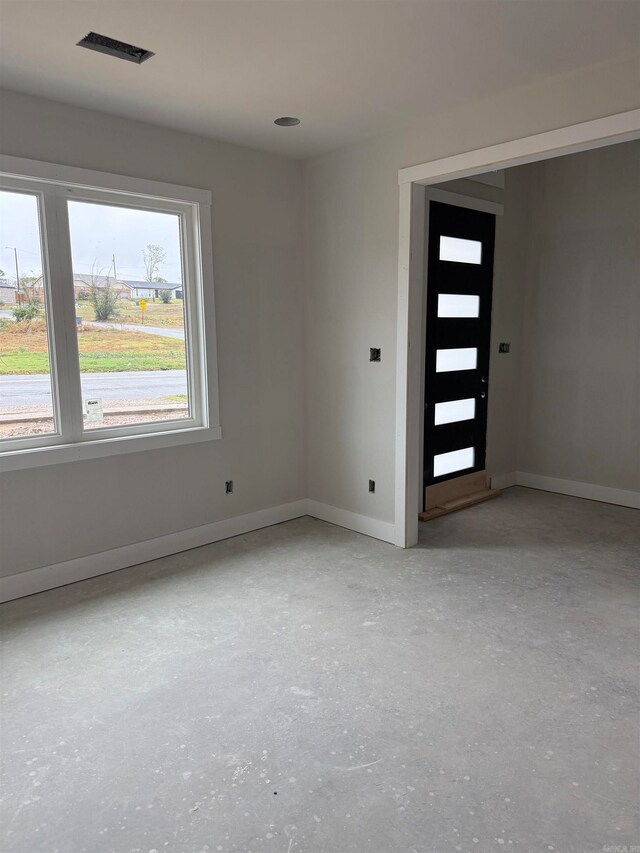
(228, 487)
(375, 354)
(372, 485)
(504, 347)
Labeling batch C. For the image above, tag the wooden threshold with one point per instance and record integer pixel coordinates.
(458, 487)
(459, 503)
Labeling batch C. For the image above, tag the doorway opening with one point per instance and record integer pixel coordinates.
(415, 183)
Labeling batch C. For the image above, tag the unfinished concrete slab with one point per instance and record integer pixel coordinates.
(304, 688)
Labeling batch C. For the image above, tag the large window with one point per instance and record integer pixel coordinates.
(102, 304)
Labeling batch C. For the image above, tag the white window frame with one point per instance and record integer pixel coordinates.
(54, 185)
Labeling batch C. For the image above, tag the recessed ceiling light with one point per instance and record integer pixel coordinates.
(287, 121)
(113, 47)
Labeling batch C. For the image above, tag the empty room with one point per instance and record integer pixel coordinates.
(320, 426)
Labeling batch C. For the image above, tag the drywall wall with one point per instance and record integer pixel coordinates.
(351, 261)
(580, 380)
(65, 511)
(284, 358)
(506, 326)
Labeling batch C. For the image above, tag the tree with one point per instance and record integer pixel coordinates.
(165, 295)
(154, 256)
(26, 313)
(32, 287)
(104, 298)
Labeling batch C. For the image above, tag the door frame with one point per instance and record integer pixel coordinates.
(411, 326)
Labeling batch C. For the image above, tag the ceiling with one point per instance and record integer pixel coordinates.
(348, 68)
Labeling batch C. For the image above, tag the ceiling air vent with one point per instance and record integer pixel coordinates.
(120, 49)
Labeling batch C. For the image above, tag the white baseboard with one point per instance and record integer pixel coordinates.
(383, 530)
(81, 568)
(605, 494)
(574, 488)
(504, 481)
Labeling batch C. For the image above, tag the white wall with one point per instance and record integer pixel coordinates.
(293, 369)
(580, 380)
(351, 256)
(64, 511)
(506, 325)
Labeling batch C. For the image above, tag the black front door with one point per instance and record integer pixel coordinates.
(459, 284)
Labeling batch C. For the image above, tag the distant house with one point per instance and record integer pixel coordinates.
(82, 284)
(7, 292)
(151, 290)
(125, 289)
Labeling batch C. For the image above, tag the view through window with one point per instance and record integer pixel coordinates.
(26, 398)
(130, 318)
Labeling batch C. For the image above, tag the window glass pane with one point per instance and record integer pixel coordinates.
(127, 270)
(26, 399)
(455, 460)
(464, 358)
(461, 251)
(455, 410)
(458, 305)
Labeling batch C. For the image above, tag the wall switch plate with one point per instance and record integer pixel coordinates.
(372, 485)
(503, 347)
(375, 354)
(228, 487)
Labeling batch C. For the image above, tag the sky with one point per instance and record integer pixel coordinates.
(98, 232)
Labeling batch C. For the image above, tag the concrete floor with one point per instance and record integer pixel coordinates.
(304, 688)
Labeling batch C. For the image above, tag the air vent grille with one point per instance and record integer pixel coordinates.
(119, 49)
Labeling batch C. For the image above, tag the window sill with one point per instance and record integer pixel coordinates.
(54, 454)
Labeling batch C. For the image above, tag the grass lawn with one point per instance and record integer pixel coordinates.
(156, 313)
(23, 350)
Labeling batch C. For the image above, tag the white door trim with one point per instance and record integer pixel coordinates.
(468, 201)
(621, 127)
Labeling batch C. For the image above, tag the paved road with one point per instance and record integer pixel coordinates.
(163, 331)
(149, 330)
(133, 385)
